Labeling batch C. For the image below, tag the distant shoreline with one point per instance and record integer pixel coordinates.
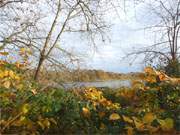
(88, 76)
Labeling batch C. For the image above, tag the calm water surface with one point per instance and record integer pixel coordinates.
(109, 84)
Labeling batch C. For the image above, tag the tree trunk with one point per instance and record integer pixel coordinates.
(41, 60)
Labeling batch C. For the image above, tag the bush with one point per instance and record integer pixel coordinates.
(149, 106)
(173, 68)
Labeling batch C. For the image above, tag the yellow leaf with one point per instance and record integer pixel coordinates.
(6, 73)
(25, 108)
(127, 119)
(53, 121)
(149, 117)
(1, 74)
(167, 124)
(7, 84)
(129, 130)
(114, 116)
(22, 118)
(46, 123)
(86, 112)
(11, 74)
(17, 77)
(41, 124)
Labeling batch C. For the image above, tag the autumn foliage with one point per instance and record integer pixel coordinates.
(150, 105)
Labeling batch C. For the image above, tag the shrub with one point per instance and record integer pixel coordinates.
(150, 106)
(173, 68)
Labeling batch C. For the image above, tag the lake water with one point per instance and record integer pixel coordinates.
(109, 84)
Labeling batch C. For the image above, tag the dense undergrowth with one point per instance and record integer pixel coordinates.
(150, 106)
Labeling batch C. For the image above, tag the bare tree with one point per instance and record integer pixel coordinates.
(84, 12)
(17, 19)
(166, 50)
(41, 25)
(3, 3)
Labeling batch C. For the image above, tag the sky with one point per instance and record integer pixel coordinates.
(125, 35)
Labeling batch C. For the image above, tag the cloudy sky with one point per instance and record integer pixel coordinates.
(126, 34)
